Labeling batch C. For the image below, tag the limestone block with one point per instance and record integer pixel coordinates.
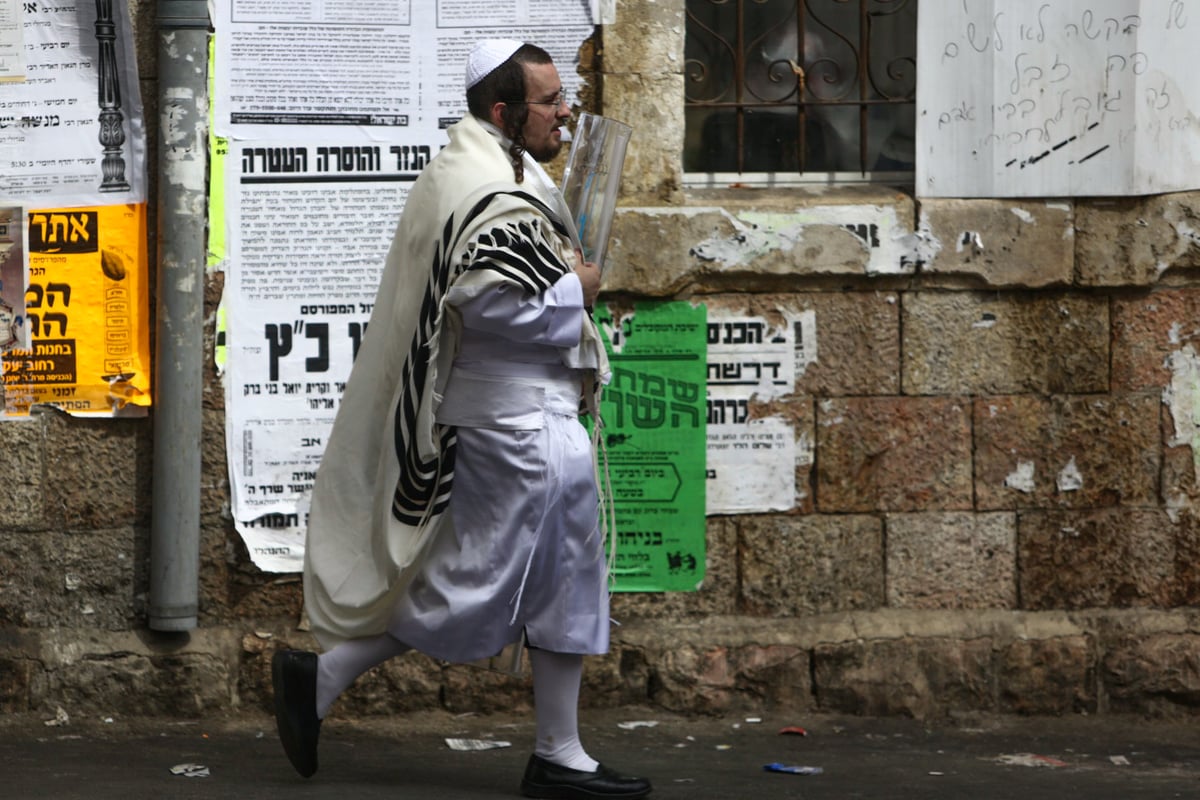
(16, 678)
(1048, 676)
(468, 688)
(913, 677)
(757, 241)
(68, 580)
(1108, 558)
(975, 343)
(100, 469)
(653, 170)
(1131, 241)
(893, 454)
(646, 38)
(177, 685)
(717, 593)
(951, 560)
(1079, 452)
(1157, 674)
(1180, 484)
(798, 565)
(846, 343)
(1147, 330)
(1005, 242)
(649, 249)
(721, 679)
(618, 678)
(1187, 555)
(22, 493)
(411, 682)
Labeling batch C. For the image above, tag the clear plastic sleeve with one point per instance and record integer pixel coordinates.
(591, 180)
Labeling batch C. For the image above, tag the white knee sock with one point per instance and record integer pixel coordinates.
(556, 679)
(339, 667)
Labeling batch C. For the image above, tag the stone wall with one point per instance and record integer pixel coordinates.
(996, 505)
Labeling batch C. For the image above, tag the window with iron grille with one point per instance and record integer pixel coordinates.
(818, 89)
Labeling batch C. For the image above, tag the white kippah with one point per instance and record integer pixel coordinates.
(486, 56)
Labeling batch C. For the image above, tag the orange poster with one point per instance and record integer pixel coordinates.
(87, 310)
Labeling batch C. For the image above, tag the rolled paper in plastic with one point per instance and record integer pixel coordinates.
(591, 180)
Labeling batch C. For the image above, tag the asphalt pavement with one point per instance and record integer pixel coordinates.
(980, 758)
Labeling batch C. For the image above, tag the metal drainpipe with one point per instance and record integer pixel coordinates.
(181, 203)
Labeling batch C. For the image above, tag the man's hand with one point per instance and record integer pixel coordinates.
(589, 278)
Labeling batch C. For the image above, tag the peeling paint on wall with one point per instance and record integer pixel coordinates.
(1021, 478)
(1182, 397)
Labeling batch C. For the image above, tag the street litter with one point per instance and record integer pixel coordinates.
(1120, 761)
(637, 723)
(476, 744)
(792, 770)
(60, 719)
(190, 770)
(794, 730)
(724, 746)
(1029, 760)
(754, 720)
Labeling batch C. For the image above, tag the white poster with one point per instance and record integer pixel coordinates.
(331, 115)
(751, 462)
(71, 132)
(12, 41)
(382, 67)
(1074, 97)
(314, 223)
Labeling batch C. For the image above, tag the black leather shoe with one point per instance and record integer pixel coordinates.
(551, 782)
(294, 677)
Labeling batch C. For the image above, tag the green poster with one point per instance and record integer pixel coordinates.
(654, 412)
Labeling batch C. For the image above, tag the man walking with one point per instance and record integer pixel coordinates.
(456, 509)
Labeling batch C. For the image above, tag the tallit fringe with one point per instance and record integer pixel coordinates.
(608, 509)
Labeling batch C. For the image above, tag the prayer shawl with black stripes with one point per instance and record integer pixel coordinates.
(388, 469)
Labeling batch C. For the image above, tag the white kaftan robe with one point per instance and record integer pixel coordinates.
(526, 552)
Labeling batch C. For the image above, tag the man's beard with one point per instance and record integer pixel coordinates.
(546, 153)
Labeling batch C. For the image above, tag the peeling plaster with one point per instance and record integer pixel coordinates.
(805, 448)
(826, 406)
(804, 329)
(1021, 478)
(922, 244)
(1187, 232)
(615, 330)
(1069, 478)
(890, 250)
(971, 238)
(1182, 397)
(755, 235)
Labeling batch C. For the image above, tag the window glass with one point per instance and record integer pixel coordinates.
(808, 87)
